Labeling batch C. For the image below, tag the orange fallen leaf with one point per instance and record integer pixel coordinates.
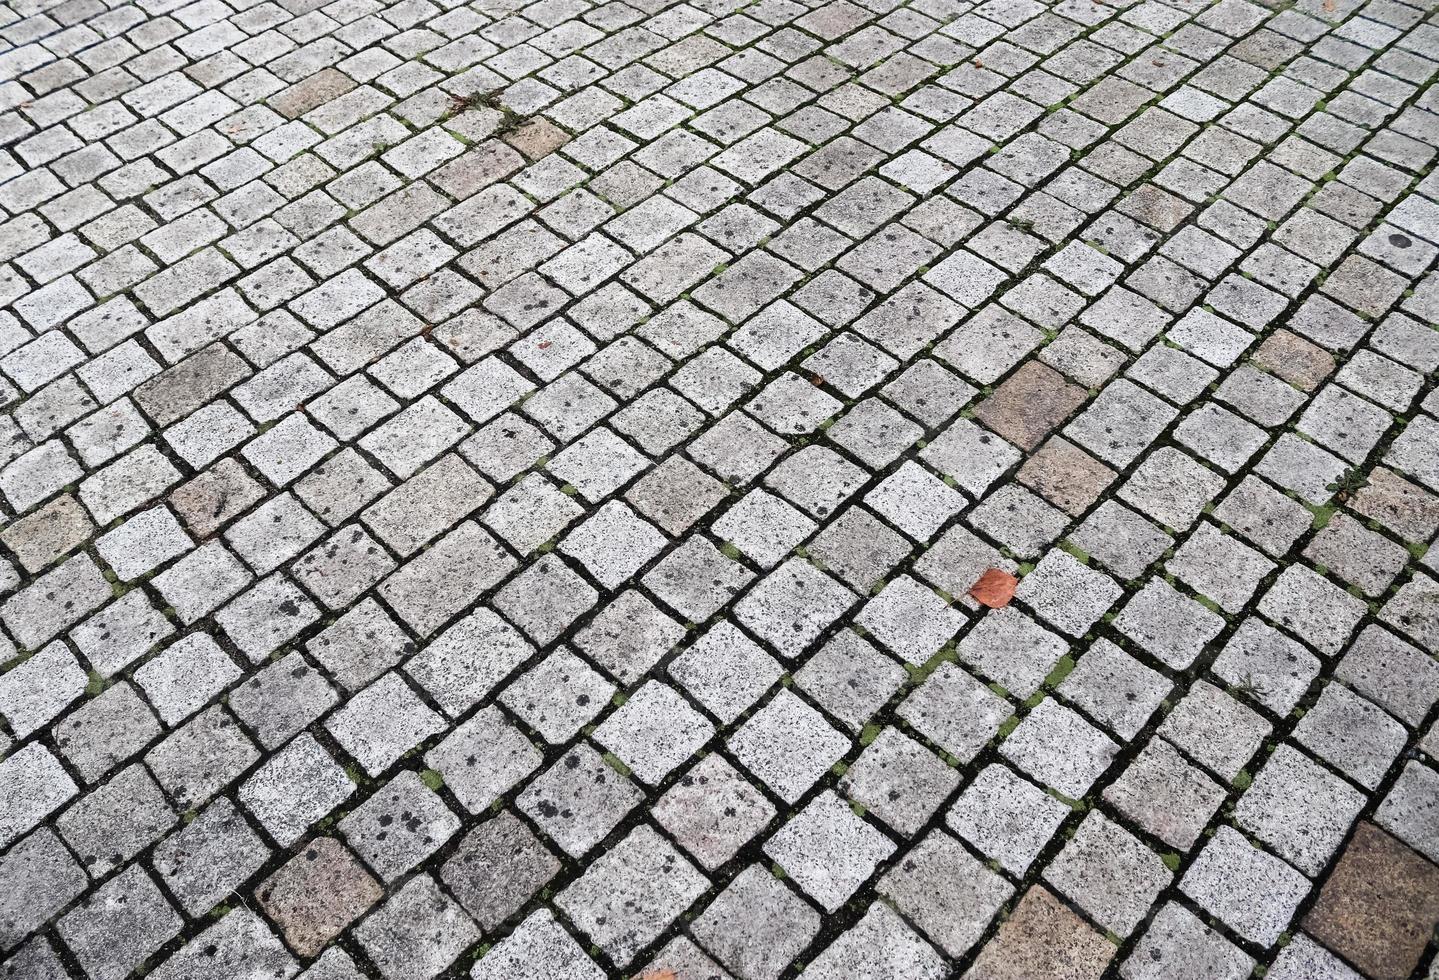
(995, 588)
(544, 344)
(660, 975)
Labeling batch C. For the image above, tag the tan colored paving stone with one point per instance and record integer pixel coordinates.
(317, 894)
(1030, 404)
(1066, 475)
(1379, 907)
(1042, 938)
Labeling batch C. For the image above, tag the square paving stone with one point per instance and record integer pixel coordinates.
(317, 893)
(1178, 945)
(294, 789)
(1392, 673)
(538, 947)
(1115, 689)
(859, 548)
(1019, 520)
(946, 892)
(1013, 649)
(1071, 596)
(35, 691)
(496, 868)
(202, 757)
(628, 636)
(1305, 958)
(628, 896)
(1215, 730)
(1171, 488)
(816, 479)
(1109, 873)
(1219, 567)
(1060, 749)
(116, 820)
(1124, 542)
(788, 745)
(880, 944)
(465, 662)
(1299, 809)
(1266, 665)
(417, 933)
(1408, 810)
(1042, 938)
(483, 759)
(613, 544)
(105, 731)
(1169, 625)
(1066, 476)
(382, 723)
(119, 925)
(1351, 734)
(1030, 405)
(725, 671)
(697, 579)
(1412, 610)
(38, 878)
(756, 925)
(899, 780)
(1007, 818)
(792, 605)
(399, 826)
(360, 646)
(1315, 609)
(558, 696)
(578, 800)
(764, 527)
(240, 944)
(1165, 795)
(915, 501)
(546, 598)
(828, 850)
(209, 857)
(1357, 555)
(850, 679)
(1379, 907)
(713, 811)
(654, 731)
(1250, 891)
(955, 711)
(185, 676)
(910, 619)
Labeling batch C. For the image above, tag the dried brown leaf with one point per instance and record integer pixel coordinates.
(995, 588)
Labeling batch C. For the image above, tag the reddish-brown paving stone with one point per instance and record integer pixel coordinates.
(1030, 405)
(1302, 363)
(1379, 907)
(318, 893)
(1066, 476)
(1043, 938)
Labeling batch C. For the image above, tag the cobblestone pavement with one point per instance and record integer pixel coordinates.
(495, 490)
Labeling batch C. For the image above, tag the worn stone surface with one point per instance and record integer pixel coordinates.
(1379, 908)
(494, 488)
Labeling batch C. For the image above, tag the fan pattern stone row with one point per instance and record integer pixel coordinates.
(492, 489)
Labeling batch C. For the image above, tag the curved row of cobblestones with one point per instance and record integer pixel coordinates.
(493, 489)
